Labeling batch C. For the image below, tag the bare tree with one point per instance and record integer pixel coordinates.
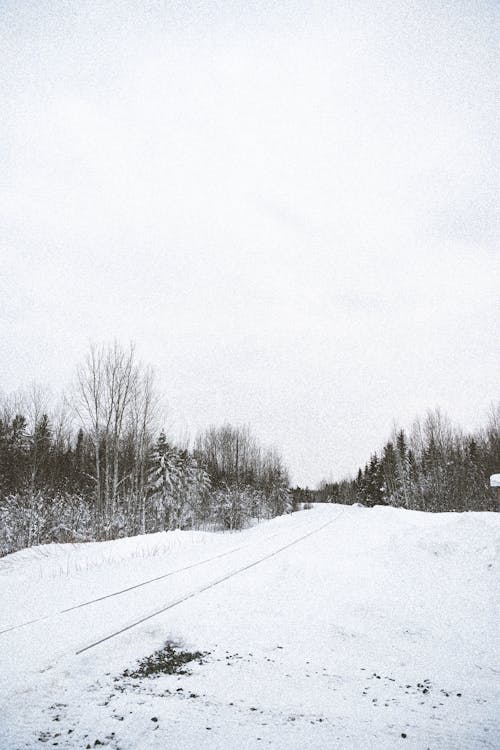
(143, 424)
(87, 399)
(120, 381)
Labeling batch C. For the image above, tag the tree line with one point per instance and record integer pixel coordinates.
(433, 467)
(100, 466)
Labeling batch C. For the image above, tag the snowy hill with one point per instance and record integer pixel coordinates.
(337, 627)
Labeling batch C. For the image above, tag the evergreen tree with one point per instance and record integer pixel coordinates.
(373, 481)
(162, 480)
(40, 454)
(388, 472)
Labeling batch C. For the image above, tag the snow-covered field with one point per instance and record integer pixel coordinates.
(379, 628)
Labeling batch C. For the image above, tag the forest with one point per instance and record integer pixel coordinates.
(435, 467)
(99, 465)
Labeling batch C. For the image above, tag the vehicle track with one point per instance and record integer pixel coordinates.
(134, 586)
(208, 586)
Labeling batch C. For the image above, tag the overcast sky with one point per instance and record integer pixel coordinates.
(291, 207)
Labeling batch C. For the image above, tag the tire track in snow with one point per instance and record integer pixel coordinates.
(44, 618)
(207, 586)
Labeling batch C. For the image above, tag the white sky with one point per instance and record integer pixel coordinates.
(291, 208)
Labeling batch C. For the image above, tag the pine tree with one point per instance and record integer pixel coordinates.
(40, 458)
(403, 468)
(161, 482)
(374, 481)
(388, 470)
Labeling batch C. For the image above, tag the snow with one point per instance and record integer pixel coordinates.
(382, 623)
(495, 480)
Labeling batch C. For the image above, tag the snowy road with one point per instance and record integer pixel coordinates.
(378, 629)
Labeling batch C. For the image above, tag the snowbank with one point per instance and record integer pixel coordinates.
(380, 630)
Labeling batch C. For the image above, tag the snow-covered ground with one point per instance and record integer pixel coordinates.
(379, 630)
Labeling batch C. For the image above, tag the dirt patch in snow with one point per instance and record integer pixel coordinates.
(167, 660)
